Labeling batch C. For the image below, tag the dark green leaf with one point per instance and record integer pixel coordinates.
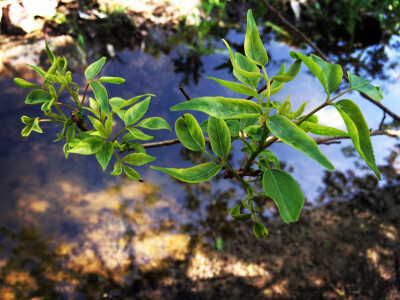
(286, 193)
(236, 87)
(101, 96)
(138, 159)
(88, 146)
(253, 46)
(358, 132)
(363, 86)
(292, 135)
(114, 80)
(154, 123)
(104, 154)
(234, 127)
(131, 173)
(38, 96)
(220, 107)
(94, 69)
(195, 174)
(235, 213)
(260, 231)
(49, 53)
(25, 84)
(189, 133)
(220, 138)
(133, 114)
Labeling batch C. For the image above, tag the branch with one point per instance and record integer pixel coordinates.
(388, 132)
(321, 54)
(184, 92)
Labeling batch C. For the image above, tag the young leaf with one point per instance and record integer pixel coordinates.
(236, 87)
(220, 138)
(318, 129)
(49, 53)
(138, 159)
(94, 69)
(131, 173)
(358, 132)
(98, 126)
(195, 174)
(333, 73)
(245, 64)
(260, 231)
(88, 146)
(138, 147)
(38, 70)
(253, 46)
(154, 123)
(292, 135)
(100, 93)
(65, 149)
(363, 86)
(270, 156)
(220, 107)
(133, 114)
(104, 154)
(25, 84)
(70, 133)
(33, 126)
(189, 133)
(235, 213)
(136, 134)
(290, 74)
(286, 193)
(117, 169)
(114, 80)
(27, 120)
(38, 96)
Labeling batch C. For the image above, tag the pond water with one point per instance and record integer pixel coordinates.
(69, 230)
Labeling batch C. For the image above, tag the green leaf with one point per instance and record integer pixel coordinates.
(154, 123)
(88, 146)
(108, 126)
(94, 106)
(94, 69)
(236, 87)
(70, 133)
(189, 133)
(25, 84)
(65, 149)
(113, 80)
(131, 173)
(27, 120)
(358, 131)
(98, 126)
(133, 114)
(220, 138)
(220, 107)
(49, 53)
(33, 126)
(138, 147)
(289, 75)
(270, 156)
(253, 46)
(138, 159)
(286, 193)
(318, 129)
(292, 135)
(235, 213)
(136, 134)
(234, 127)
(100, 93)
(244, 64)
(363, 86)
(38, 70)
(117, 169)
(333, 73)
(38, 96)
(260, 231)
(104, 154)
(195, 174)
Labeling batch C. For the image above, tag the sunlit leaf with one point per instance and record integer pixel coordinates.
(101, 96)
(32, 126)
(136, 134)
(245, 64)
(94, 69)
(189, 133)
(318, 129)
(114, 80)
(117, 169)
(236, 87)
(253, 46)
(285, 191)
(108, 126)
(104, 154)
(363, 86)
(98, 126)
(25, 84)
(133, 114)
(88, 146)
(38, 96)
(131, 173)
(289, 75)
(220, 138)
(49, 53)
(333, 73)
(154, 123)
(138, 159)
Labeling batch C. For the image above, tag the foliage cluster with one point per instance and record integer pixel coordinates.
(256, 124)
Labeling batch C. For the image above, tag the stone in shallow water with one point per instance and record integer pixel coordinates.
(17, 20)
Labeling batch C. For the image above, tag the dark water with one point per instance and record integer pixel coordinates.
(69, 229)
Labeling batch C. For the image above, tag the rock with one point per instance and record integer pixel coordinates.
(17, 20)
(42, 8)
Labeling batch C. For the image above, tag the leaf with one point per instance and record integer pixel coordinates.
(286, 193)
(70, 133)
(104, 154)
(94, 69)
(98, 126)
(333, 73)
(38, 70)
(358, 131)
(359, 84)
(220, 107)
(138, 147)
(245, 64)
(117, 169)
(260, 231)
(25, 84)
(133, 114)
(189, 133)
(318, 129)
(253, 46)
(154, 123)
(235, 213)
(38, 96)
(234, 127)
(33, 126)
(290, 74)
(114, 80)
(292, 135)
(236, 87)
(138, 159)
(108, 126)
(254, 131)
(94, 106)
(88, 146)
(270, 156)
(220, 138)
(49, 53)
(27, 120)
(136, 134)
(195, 174)
(100, 93)
(131, 173)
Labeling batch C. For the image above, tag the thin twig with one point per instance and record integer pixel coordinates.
(321, 54)
(383, 119)
(84, 94)
(66, 105)
(184, 92)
